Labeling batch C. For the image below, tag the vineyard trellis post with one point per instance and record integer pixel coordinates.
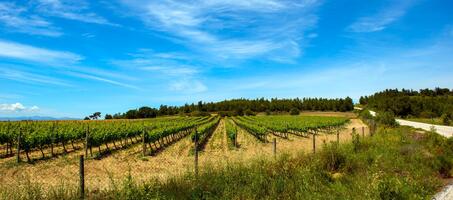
(363, 132)
(338, 136)
(18, 145)
(236, 137)
(143, 140)
(196, 154)
(314, 141)
(86, 140)
(82, 177)
(274, 146)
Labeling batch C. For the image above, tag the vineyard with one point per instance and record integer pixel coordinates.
(154, 134)
(153, 148)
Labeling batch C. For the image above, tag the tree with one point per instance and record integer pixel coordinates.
(86, 118)
(95, 115)
(108, 116)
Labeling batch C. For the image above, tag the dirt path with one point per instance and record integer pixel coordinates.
(446, 131)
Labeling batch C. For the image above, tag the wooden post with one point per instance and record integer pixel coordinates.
(274, 147)
(18, 145)
(196, 154)
(314, 142)
(338, 136)
(86, 140)
(363, 131)
(144, 142)
(82, 177)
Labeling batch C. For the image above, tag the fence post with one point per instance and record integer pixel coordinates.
(338, 136)
(314, 142)
(18, 145)
(196, 154)
(86, 140)
(144, 142)
(363, 131)
(82, 177)
(274, 146)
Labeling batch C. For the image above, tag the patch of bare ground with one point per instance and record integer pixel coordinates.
(174, 160)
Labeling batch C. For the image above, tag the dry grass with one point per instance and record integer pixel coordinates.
(173, 161)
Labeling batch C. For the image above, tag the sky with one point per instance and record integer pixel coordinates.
(70, 58)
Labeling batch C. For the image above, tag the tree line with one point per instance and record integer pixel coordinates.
(425, 103)
(241, 107)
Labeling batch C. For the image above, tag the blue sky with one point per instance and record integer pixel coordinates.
(71, 58)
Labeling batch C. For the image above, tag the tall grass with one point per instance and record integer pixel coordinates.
(395, 163)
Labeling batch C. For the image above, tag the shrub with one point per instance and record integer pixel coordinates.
(199, 113)
(386, 119)
(446, 119)
(365, 114)
(294, 111)
(249, 112)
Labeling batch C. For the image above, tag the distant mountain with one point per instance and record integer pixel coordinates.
(36, 118)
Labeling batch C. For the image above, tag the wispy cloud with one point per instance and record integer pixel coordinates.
(162, 63)
(188, 86)
(383, 18)
(30, 53)
(16, 19)
(253, 26)
(72, 10)
(31, 78)
(101, 79)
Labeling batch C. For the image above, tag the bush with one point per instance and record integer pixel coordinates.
(294, 111)
(249, 112)
(446, 119)
(365, 114)
(386, 119)
(227, 113)
(199, 113)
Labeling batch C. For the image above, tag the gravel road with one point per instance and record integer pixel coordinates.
(446, 131)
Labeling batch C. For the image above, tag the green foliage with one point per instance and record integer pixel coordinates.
(386, 119)
(199, 114)
(425, 103)
(365, 114)
(446, 118)
(294, 111)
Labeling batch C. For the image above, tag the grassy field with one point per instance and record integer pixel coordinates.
(397, 163)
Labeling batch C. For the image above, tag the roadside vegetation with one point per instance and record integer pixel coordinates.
(425, 104)
(395, 163)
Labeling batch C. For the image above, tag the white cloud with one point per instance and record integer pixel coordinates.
(101, 79)
(17, 107)
(382, 19)
(16, 19)
(27, 77)
(188, 86)
(34, 108)
(30, 53)
(258, 29)
(12, 107)
(72, 10)
(172, 70)
(163, 63)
